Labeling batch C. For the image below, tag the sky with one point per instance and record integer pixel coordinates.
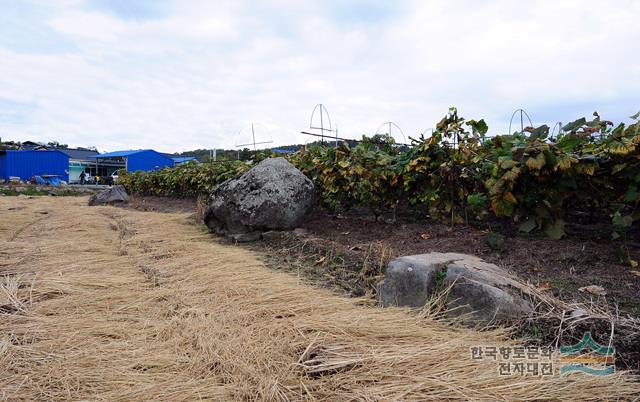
(186, 74)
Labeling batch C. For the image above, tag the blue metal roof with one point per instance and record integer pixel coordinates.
(182, 159)
(140, 159)
(79, 154)
(283, 151)
(117, 154)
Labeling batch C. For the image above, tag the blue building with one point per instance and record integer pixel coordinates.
(25, 164)
(284, 150)
(179, 160)
(142, 159)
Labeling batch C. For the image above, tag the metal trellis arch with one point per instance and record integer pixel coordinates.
(390, 125)
(522, 114)
(324, 118)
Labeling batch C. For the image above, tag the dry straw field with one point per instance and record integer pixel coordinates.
(102, 303)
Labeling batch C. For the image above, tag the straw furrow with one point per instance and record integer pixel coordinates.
(119, 305)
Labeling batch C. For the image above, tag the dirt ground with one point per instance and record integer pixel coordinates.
(562, 266)
(105, 303)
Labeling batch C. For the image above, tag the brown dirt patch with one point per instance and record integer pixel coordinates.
(564, 265)
(161, 204)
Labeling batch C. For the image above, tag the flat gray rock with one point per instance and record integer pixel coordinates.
(479, 292)
(112, 195)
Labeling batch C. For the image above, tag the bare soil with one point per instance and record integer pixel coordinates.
(562, 265)
(356, 242)
(161, 204)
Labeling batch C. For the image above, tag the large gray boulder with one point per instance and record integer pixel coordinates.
(477, 292)
(112, 195)
(273, 195)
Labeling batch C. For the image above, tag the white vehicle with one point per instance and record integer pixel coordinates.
(88, 179)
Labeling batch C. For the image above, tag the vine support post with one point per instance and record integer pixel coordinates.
(324, 113)
(252, 141)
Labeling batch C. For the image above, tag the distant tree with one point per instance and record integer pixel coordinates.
(57, 145)
(245, 154)
(9, 145)
(204, 155)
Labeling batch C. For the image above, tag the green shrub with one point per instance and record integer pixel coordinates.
(537, 183)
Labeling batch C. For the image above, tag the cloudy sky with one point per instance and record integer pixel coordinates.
(185, 74)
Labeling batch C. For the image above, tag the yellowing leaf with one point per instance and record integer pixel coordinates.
(511, 175)
(501, 207)
(619, 167)
(588, 169)
(564, 162)
(619, 149)
(594, 290)
(536, 163)
(509, 197)
(508, 164)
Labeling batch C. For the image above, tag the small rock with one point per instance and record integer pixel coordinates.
(111, 195)
(246, 237)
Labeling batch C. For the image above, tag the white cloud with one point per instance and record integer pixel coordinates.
(89, 25)
(194, 77)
